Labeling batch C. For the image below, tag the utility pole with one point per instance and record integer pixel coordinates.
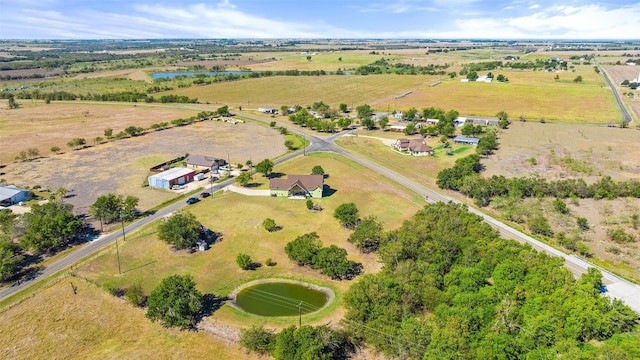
(300, 315)
(118, 255)
(122, 222)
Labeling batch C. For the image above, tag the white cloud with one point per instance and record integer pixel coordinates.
(534, 6)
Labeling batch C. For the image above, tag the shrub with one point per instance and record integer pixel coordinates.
(270, 225)
(244, 261)
(135, 295)
(620, 236)
(309, 203)
(112, 288)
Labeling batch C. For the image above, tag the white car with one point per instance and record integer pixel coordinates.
(178, 187)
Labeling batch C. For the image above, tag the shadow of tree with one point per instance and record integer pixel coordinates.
(210, 303)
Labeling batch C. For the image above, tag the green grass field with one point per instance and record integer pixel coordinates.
(146, 260)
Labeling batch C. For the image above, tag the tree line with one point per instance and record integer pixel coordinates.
(464, 177)
(122, 96)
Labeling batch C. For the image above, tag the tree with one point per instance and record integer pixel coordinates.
(270, 225)
(472, 76)
(111, 207)
(333, 262)
(317, 170)
(55, 149)
(244, 178)
(363, 111)
(578, 79)
(468, 129)
(308, 57)
(49, 226)
(487, 144)
(76, 143)
(503, 119)
(347, 214)
(560, 206)
(244, 261)
(10, 259)
(583, 223)
(383, 122)
(33, 153)
(108, 133)
(265, 167)
(343, 107)
(367, 235)
(309, 204)
(223, 111)
(133, 130)
(181, 230)
(368, 122)
(175, 302)
(257, 339)
(344, 122)
(12, 103)
(304, 248)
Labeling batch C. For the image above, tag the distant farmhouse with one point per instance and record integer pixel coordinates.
(202, 162)
(10, 195)
(297, 186)
(415, 147)
(268, 111)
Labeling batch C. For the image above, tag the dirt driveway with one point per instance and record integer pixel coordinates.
(123, 166)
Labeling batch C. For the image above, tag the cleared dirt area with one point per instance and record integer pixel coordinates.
(122, 166)
(620, 73)
(41, 126)
(563, 150)
(556, 151)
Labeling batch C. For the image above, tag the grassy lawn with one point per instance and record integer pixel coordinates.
(422, 169)
(146, 260)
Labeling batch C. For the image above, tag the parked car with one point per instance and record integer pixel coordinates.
(192, 200)
(178, 187)
(205, 194)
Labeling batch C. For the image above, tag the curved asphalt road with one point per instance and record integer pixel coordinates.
(616, 286)
(625, 113)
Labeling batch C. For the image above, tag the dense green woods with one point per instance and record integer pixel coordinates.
(451, 288)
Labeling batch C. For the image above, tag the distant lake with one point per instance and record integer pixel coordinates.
(171, 75)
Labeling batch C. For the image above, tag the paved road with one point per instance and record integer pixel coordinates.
(625, 113)
(616, 286)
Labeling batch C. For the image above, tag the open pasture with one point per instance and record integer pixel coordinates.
(620, 73)
(41, 126)
(535, 95)
(352, 90)
(320, 60)
(57, 324)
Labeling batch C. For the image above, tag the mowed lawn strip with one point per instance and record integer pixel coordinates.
(238, 218)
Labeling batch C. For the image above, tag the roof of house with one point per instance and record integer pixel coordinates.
(9, 191)
(418, 145)
(203, 160)
(466, 139)
(307, 182)
(173, 173)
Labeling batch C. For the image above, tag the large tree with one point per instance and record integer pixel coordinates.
(363, 111)
(49, 226)
(181, 230)
(265, 167)
(10, 259)
(244, 178)
(368, 234)
(175, 302)
(332, 261)
(304, 248)
(111, 207)
(347, 214)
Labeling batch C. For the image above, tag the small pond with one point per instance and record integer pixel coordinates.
(281, 299)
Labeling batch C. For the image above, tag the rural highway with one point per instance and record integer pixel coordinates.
(625, 113)
(616, 287)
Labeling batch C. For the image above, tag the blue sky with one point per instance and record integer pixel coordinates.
(442, 19)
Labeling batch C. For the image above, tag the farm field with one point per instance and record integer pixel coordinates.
(42, 126)
(533, 94)
(122, 166)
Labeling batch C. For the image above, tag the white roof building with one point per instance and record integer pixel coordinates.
(10, 195)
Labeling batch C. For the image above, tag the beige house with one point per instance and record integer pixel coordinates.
(415, 147)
